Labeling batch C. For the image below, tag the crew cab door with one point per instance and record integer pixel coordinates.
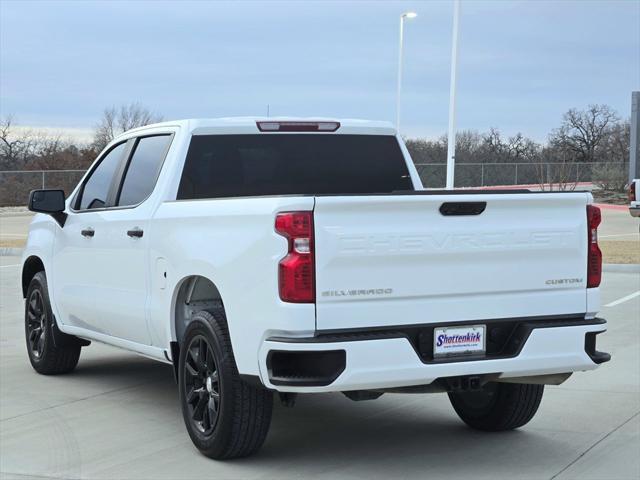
(101, 266)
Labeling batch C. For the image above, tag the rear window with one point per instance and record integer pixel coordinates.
(288, 164)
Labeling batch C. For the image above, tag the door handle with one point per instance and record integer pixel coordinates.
(135, 233)
(88, 232)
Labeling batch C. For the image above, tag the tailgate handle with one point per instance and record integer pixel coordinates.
(462, 208)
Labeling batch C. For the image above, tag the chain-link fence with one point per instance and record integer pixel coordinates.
(16, 185)
(433, 175)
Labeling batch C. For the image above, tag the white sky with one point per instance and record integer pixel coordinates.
(522, 63)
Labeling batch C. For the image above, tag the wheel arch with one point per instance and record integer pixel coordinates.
(192, 294)
(30, 267)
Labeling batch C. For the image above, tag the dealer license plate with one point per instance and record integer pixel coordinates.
(454, 341)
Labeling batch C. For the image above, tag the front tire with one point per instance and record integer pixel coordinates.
(225, 417)
(498, 406)
(45, 356)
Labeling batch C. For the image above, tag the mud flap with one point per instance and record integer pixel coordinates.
(62, 340)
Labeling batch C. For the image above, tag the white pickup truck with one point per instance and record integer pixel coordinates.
(262, 255)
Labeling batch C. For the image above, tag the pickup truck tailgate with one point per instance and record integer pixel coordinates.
(397, 260)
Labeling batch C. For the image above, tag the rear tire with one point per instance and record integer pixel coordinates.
(498, 406)
(225, 417)
(46, 358)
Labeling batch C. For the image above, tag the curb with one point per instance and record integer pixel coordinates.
(10, 252)
(621, 268)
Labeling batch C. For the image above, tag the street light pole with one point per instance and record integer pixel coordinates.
(451, 138)
(399, 87)
(634, 154)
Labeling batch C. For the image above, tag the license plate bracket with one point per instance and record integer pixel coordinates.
(459, 341)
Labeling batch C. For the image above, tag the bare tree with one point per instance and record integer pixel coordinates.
(583, 131)
(556, 170)
(11, 145)
(17, 146)
(616, 145)
(522, 149)
(29, 149)
(114, 121)
(493, 146)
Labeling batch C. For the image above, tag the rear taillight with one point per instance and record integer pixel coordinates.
(296, 271)
(594, 257)
(632, 192)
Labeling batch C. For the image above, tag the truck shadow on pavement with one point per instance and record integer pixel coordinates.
(407, 432)
(396, 433)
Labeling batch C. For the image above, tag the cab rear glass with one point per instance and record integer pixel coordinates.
(288, 164)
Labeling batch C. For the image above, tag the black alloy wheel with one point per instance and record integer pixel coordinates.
(225, 416)
(51, 352)
(202, 385)
(36, 323)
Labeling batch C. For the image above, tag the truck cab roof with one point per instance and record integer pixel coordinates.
(249, 125)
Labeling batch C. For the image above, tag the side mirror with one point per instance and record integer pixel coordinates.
(50, 202)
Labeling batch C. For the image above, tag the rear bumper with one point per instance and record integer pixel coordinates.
(634, 211)
(383, 360)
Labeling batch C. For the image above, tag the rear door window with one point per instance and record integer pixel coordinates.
(143, 169)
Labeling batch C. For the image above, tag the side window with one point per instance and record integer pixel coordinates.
(96, 189)
(143, 169)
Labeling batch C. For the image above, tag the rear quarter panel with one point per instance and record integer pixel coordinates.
(232, 242)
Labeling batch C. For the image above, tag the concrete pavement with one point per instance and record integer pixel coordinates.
(117, 417)
(14, 228)
(618, 225)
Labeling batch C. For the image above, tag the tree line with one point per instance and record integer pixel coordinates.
(596, 134)
(32, 149)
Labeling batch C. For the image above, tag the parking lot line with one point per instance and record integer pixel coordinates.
(623, 299)
(7, 266)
